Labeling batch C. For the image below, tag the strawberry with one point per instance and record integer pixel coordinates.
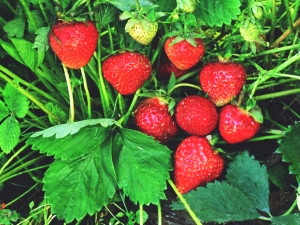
(196, 115)
(143, 31)
(153, 118)
(188, 6)
(166, 68)
(249, 32)
(183, 54)
(237, 125)
(127, 71)
(222, 81)
(74, 42)
(196, 163)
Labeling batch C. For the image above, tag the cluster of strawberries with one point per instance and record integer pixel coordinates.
(196, 162)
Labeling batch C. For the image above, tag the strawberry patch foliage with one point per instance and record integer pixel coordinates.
(109, 108)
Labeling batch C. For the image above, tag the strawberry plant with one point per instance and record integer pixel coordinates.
(149, 112)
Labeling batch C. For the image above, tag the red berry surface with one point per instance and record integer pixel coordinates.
(196, 115)
(153, 118)
(74, 42)
(184, 55)
(166, 68)
(222, 81)
(196, 164)
(127, 71)
(237, 125)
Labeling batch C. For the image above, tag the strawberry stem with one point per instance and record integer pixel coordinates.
(184, 85)
(159, 215)
(141, 214)
(184, 202)
(277, 94)
(71, 98)
(87, 92)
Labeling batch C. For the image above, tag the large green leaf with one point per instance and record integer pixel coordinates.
(217, 12)
(289, 148)
(11, 50)
(238, 198)
(16, 102)
(82, 186)
(9, 134)
(219, 202)
(249, 177)
(142, 166)
(73, 146)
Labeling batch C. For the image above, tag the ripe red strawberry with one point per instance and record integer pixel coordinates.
(196, 115)
(143, 31)
(74, 42)
(166, 67)
(222, 81)
(127, 71)
(237, 125)
(153, 118)
(182, 54)
(196, 163)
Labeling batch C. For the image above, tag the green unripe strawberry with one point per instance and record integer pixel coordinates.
(249, 32)
(143, 31)
(257, 11)
(188, 6)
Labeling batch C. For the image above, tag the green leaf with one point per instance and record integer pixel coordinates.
(172, 82)
(219, 202)
(280, 176)
(65, 3)
(12, 51)
(58, 112)
(7, 216)
(62, 130)
(252, 182)
(41, 40)
(129, 5)
(72, 146)
(107, 15)
(142, 166)
(15, 27)
(289, 148)
(16, 102)
(9, 134)
(4, 112)
(27, 53)
(82, 186)
(38, 19)
(218, 12)
(292, 219)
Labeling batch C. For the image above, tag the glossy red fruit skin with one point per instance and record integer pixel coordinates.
(166, 68)
(222, 81)
(153, 118)
(184, 55)
(236, 125)
(196, 115)
(196, 164)
(74, 42)
(127, 71)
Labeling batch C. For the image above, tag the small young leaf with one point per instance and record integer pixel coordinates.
(213, 204)
(9, 134)
(4, 112)
(252, 182)
(58, 112)
(172, 82)
(72, 146)
(82, 186)
(290, 219)
(41, 40)
(15, 27)
(142, 166)
(38, 19)
(62, 130)
(16, 102)
(128, 5)
(289, 148)
(107, 15)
